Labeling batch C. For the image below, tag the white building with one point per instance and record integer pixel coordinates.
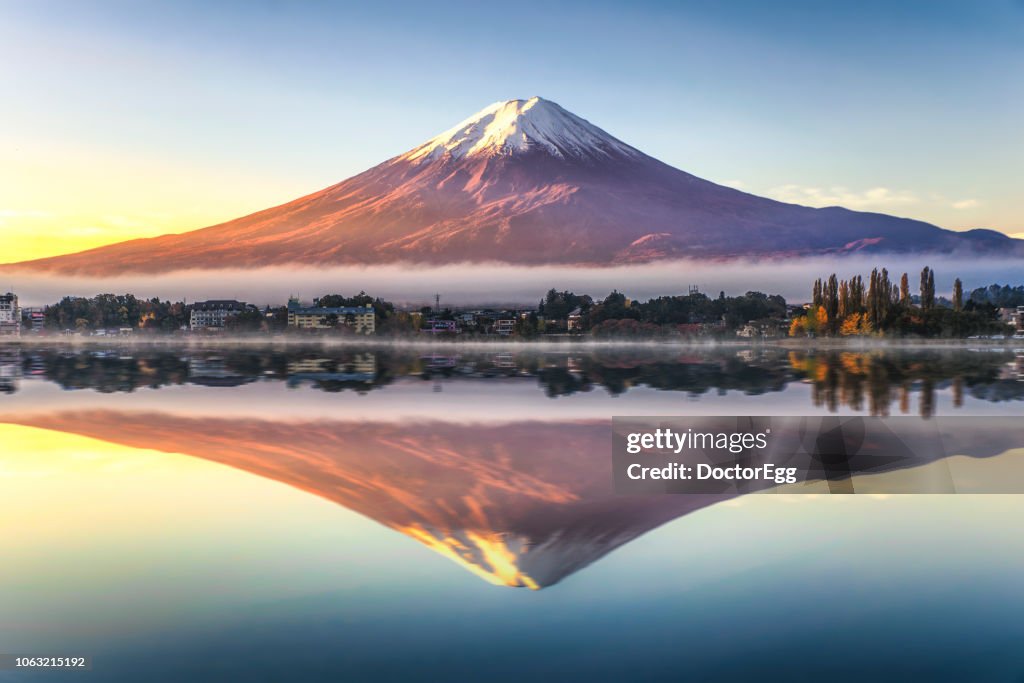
(213, 313)
(10, 314)
(1013, 315)
(505, 327)
(574, 323)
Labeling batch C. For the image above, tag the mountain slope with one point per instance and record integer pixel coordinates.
(522, 182)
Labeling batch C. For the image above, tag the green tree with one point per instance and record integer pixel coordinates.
(927, 289)
(831, 302)
(245, 322)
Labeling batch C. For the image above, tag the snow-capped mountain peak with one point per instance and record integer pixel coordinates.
(520, 126)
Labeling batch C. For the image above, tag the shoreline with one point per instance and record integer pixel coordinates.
(860, 344)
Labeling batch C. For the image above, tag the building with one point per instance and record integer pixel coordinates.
(766, 328)
(750, 331)
(212, 314)
(33, 320)
(362, 319)
(505, 327)
(574, 323)
(10, 315)
(440, 326)
(1013, 316)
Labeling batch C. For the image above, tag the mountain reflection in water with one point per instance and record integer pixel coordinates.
(520, 503)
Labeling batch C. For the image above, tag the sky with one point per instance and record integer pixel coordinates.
(125, 119)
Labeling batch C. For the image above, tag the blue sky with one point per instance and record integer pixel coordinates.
(127, 118)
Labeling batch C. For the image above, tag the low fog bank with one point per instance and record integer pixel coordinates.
(501, 284)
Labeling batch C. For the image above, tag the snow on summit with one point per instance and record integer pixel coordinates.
(518, 126)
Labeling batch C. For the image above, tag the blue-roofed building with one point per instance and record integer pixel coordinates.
(360, 318)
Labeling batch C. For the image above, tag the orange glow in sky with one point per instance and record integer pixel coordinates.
(58, 199)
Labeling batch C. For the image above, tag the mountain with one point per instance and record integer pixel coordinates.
(523, 182)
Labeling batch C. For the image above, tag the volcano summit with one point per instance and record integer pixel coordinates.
(524, 182)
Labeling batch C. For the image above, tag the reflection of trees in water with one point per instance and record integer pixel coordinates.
(877, 382)
(110, 372)
(694, 376)
(882, 379)
(560, 381)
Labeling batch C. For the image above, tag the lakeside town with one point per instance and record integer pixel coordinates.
(837, 308)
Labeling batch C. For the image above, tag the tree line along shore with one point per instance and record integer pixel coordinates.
(875, 307)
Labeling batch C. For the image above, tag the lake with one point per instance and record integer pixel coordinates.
(446, 512)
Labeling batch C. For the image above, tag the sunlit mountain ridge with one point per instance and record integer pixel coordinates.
(524, 182)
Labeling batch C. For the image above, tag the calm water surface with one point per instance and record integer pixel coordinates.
(370, 514)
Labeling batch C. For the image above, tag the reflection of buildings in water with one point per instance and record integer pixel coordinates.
(746, 355)
(507, 364)
(1014, 369)
(361, 368)
(214, 371)
(34, 365)
(10, 370)
(439, 362)
(503, 360)
(307, 365)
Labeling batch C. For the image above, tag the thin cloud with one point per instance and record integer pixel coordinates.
(965, 204)
(872, 198)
